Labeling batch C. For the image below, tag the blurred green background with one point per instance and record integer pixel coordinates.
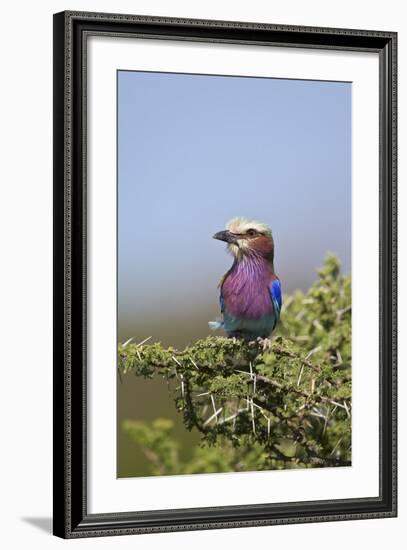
(149, 399)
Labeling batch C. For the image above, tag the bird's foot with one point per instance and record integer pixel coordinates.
(264, 343)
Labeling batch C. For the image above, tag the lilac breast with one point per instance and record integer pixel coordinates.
(245, 290)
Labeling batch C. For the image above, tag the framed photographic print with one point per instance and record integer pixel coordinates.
(224, 274)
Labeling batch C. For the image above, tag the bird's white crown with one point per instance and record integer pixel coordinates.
(241, 225)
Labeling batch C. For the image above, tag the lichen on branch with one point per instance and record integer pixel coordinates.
(262, 404)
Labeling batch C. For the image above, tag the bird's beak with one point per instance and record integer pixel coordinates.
(226, 236)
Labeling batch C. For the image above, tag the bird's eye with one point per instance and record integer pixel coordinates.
(251, 232)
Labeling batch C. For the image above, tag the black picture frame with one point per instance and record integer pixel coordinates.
(71, 519)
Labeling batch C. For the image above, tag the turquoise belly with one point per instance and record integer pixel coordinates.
(252, 328)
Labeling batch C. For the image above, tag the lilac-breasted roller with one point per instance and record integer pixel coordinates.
(250, 292)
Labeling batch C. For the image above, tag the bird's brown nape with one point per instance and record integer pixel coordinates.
(263, 245)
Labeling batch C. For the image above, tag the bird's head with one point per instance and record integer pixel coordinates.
(247, 238)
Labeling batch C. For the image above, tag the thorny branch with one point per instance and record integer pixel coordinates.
(264, 401)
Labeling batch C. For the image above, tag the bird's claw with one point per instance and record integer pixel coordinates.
(264, 343)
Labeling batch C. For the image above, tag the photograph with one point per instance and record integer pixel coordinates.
(234, 259)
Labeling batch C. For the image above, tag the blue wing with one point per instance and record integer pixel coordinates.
(275, 293)
(214, 325)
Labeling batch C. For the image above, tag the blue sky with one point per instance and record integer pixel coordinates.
(197, 150)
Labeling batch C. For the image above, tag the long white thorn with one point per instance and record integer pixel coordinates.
(336, 446)
(128, 341)
(253, 422)
(176, 360)
(178, 363)
(344, 406)
(300, 375)
(312, 351)
(214, 407)
(243, 372)
(232, 416)
(144, 341)
(215, 415)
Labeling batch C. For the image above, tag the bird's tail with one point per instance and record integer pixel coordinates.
(215, 325)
